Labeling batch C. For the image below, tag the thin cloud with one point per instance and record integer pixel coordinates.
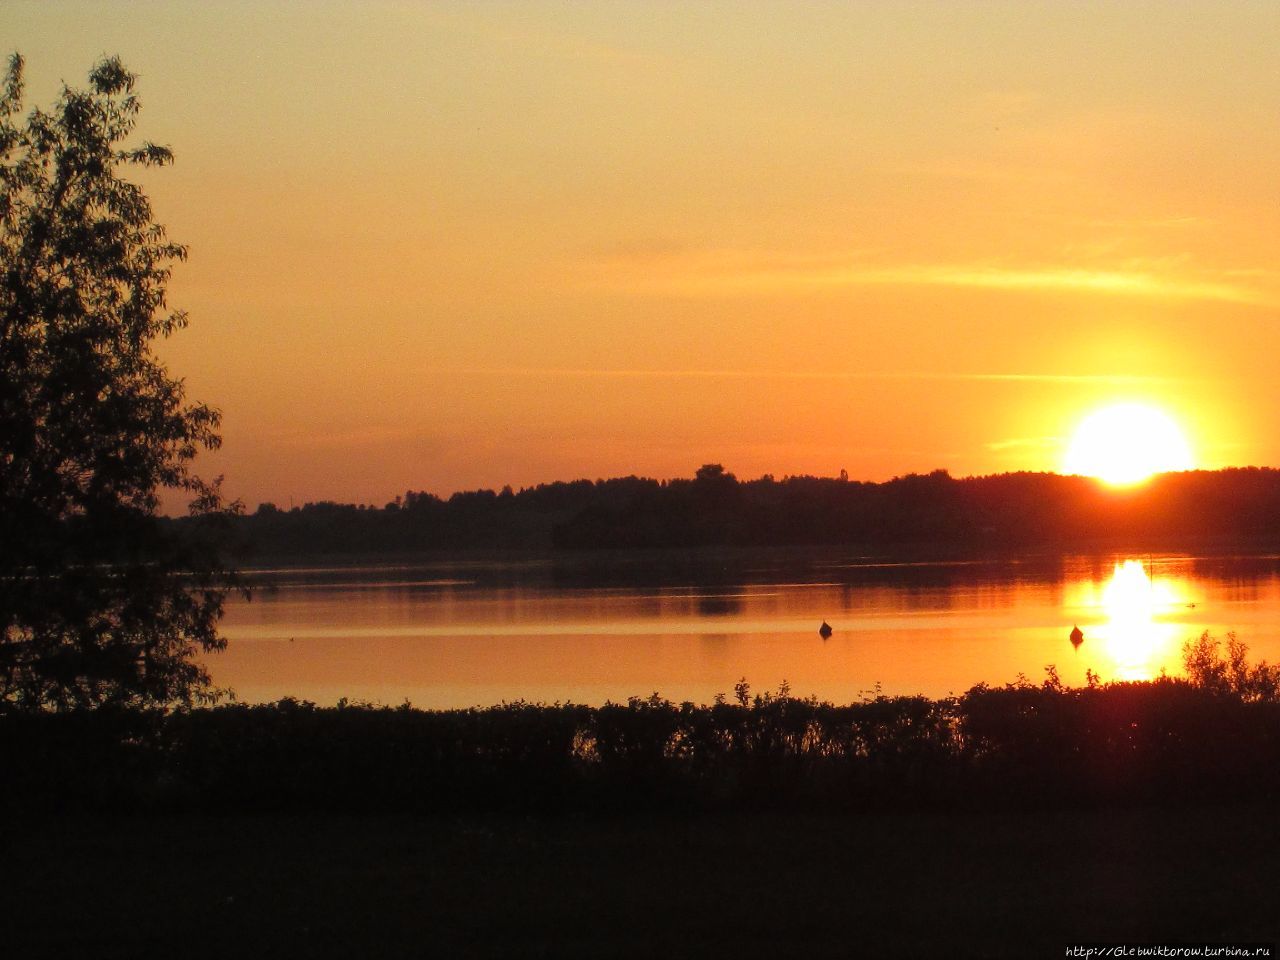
(1119, 282)
(728, 374)
(730, 272)
(561, 46)
(1025, 443)
(369, 436)
(1188, 220)
(999, 105)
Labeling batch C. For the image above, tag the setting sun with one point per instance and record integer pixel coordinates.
(1127, 443)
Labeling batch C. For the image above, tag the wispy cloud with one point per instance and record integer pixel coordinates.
(746, 374)
(995, 106)
(728, 272)
(1120, 282)
(1152, 223)
(570, 47)
(1025, 443)
(366, 436)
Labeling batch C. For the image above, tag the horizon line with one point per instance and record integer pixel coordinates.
(782, 478)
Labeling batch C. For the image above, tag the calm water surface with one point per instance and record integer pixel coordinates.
(596, 628)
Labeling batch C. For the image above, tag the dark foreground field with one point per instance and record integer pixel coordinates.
(869, 885)
(1008, 822)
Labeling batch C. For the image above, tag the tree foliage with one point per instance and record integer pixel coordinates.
(98, 603)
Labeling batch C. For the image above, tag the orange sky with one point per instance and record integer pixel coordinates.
(441, 246)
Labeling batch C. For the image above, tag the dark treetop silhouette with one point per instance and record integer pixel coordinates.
(99, 602)
(933, 511)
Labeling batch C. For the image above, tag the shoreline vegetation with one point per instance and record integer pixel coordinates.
(934, 511)
(1212, 736)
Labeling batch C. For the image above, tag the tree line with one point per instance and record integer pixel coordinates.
(715, 508)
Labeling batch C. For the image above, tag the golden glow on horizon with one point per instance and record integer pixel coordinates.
(1126, 444)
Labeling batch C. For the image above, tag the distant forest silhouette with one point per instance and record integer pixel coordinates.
(1012, 510)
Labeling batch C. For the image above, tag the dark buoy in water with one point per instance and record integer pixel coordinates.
(824, 631)
(1077, 636)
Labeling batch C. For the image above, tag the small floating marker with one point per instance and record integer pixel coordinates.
(1077, 636)
(824, 631)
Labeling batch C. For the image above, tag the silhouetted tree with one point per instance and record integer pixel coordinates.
(99, 602)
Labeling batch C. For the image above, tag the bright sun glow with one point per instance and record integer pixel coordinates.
(1126, 444)
(1132, 625)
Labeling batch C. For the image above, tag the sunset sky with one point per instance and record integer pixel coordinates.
(442, 246)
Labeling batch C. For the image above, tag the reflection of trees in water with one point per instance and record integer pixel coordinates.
(719, 605)
(1239, 579)
(727, 569)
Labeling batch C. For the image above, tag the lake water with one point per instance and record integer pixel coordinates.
(608, 627)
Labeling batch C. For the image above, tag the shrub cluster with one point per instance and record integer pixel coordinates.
(1213, 735)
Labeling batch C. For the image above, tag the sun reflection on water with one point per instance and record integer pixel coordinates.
(1133, 619)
